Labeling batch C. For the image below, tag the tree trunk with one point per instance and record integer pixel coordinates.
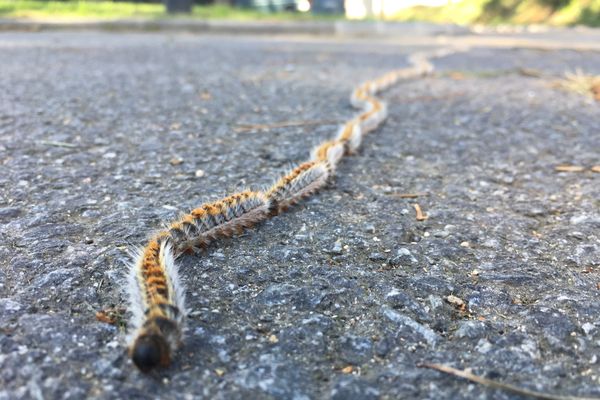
(178, 6)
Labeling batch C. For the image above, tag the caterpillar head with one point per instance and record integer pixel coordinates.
(156, 341)
(150, 351)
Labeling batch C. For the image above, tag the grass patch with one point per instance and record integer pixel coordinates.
(77, 10)
(578, 82)
(462, 13)
(71, 10)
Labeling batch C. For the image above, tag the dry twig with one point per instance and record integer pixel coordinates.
(499, 385)
(284, 124)
(569, 168)
(58, 144)
(409, 195)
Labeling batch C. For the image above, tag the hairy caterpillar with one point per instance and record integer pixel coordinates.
(156, 295)
(155, 292)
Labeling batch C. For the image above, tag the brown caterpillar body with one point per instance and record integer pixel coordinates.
(223, 218)
(302, 181)
(160, 332)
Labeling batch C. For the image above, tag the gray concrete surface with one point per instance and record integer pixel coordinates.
(89, 126)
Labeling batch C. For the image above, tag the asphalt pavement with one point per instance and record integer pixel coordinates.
(106, 136)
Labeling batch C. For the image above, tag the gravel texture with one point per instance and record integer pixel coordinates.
(103, 137)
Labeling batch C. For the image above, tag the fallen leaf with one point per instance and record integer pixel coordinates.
(112, 316)
(205, 96)
(420, 215)
(595, 89)
(457, 302)
(456, 75)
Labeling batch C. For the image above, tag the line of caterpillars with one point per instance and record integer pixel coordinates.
(156, 294)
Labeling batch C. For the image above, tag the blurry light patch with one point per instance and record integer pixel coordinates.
(304, 6)
(359, 9)
(355, 9)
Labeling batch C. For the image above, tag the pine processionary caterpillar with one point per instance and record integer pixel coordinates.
(156, 295)
(157, 304)
(301, 182)
(223, 218)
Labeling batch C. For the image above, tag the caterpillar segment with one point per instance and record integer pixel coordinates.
(301, 182)
(386, 81)
(368, 88)
(224, 218)
(371, 119)
(157, 302)
(351, 135)
(330, 152)
(421, 63)
(358, 99)
(156, 295)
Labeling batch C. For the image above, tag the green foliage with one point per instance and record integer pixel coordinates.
(550, 12)
(77, 9)
(114, 10)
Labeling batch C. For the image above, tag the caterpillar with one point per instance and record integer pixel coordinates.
(156, 294)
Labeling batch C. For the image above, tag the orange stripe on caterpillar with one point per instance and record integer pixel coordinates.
(330, 152)
(346, 131)
(320, 153)
(351, 135)
(375, 108)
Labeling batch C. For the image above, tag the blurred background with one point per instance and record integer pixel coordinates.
(464, 12)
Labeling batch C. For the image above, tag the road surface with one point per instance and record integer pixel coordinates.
(106, 136)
